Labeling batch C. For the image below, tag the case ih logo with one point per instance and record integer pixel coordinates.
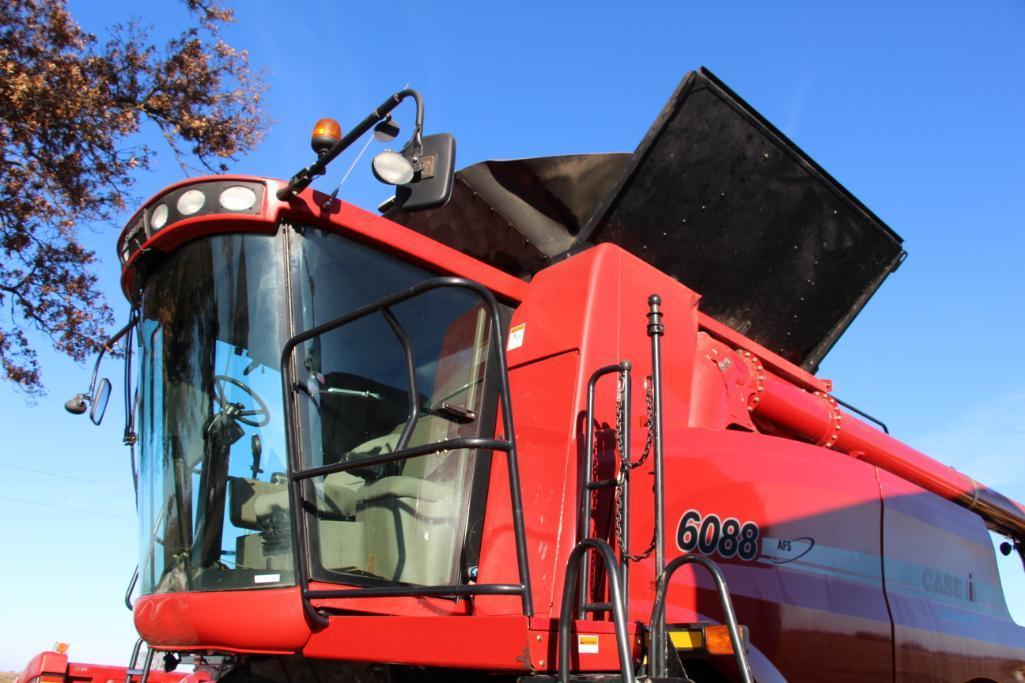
(951, 586)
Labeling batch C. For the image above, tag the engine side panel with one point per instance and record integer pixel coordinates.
(805, 572)
(950, 619)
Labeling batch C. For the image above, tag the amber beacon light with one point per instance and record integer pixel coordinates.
(326, 133)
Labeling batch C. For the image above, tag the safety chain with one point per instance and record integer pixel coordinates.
(621, 399)
(593, 464)
(626, 466)
(649, 398)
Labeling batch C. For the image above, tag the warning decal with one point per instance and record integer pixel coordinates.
(587, 645)
(516, 335)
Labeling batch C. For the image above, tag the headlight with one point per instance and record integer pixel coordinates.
(237, 198)
(158, 218)
(391, 168)
(227, 198)
(190, 202)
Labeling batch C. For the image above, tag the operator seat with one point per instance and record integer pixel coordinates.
(403, 527)
(413, 521)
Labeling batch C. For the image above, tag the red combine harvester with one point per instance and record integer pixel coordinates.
(533, 420)
(52, 666)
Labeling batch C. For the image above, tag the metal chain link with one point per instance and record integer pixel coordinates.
(625, 465)
(649, 398)
(593, 561)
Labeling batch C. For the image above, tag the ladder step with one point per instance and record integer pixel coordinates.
(602, 484)
(597, 607)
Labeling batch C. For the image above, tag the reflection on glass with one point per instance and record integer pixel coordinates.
(403, 521)
(210, 419)
(213, 476)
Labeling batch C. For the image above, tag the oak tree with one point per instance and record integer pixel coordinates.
(71, 107)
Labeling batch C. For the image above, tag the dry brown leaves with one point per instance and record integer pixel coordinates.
(68, 109)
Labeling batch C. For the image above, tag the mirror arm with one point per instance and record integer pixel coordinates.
(104, 348)
(129, 437)
(301, 180)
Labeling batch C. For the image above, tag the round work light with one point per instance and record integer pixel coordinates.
(237, 198)
(191, 202)
(158, 218)
(392, 168)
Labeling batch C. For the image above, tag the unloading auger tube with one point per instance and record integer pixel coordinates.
(816, 417)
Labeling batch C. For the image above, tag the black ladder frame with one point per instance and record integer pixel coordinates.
(657, 656)
(298, 475)
(133, 664)
(575, 589)
(616, 600)
(588, 486)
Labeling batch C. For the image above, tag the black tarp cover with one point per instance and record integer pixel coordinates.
(714, 196)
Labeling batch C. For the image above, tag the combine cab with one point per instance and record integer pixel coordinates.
(545, 418)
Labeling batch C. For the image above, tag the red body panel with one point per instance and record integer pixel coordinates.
(491, 643)
(950, 619)
(839, 584)
(224, 620)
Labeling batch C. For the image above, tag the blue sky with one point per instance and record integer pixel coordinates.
(917, 108)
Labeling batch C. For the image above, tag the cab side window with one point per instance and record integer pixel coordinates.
(1012, 574)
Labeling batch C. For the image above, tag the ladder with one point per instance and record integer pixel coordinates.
(576, 589)
(136, 673)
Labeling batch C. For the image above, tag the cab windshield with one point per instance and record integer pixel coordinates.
(210, 413)
(214, 498)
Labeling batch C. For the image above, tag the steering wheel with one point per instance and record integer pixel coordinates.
(256, 417)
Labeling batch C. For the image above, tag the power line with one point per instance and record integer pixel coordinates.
(63, 507)
(51, 474)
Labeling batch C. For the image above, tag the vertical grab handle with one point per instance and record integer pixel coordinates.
(615, 597)
(658, 613)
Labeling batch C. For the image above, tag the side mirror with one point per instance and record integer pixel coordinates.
(432, 185)
(99, 400)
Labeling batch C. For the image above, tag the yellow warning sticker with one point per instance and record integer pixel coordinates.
(587, 645)
(516, 335)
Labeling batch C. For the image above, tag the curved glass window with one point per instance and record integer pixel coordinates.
(213, 321)
(356, 387)
(214, 498)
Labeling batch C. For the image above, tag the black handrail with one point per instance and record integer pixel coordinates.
(579, 553)
(658, 613)
(584, 497)
(655, 331)
(414, 394)
(848, 406)
(420, 591)
(404, 454)
(131, 587)
(300, 532)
